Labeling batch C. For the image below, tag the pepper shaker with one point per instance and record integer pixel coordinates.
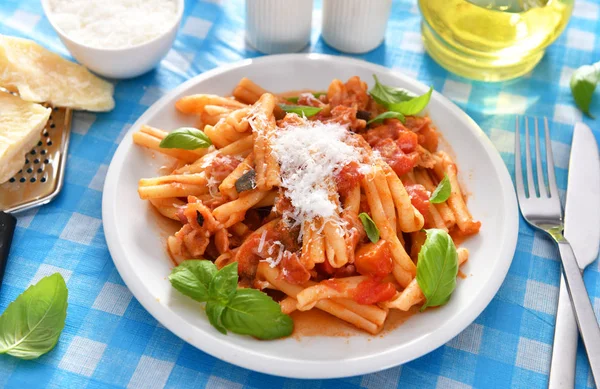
(355, 26)
(278, 26)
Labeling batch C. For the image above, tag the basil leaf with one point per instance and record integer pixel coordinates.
(251, 312)
(224, 284)
(214, 311)
(187, 138)
(193, 278)
(31, 325)
(442, 192)
(243, 311)
(388, 115)
(412, 106)
(302, 110)
(583, 84)
(294, 99)
(386, 95)
(399, 99)
(370, 227)
(437, 268)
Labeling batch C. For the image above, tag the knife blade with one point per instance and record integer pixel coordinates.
(582, 230)
(582, 210)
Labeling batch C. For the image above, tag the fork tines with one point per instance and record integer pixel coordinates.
(541, 191)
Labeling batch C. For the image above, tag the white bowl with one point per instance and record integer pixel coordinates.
(124, 62)
(135, 235)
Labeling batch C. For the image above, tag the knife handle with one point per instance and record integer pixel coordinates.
(564, 350)
(7, 229)
(582, 307)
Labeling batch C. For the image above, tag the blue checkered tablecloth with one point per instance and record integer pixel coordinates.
(110, 341)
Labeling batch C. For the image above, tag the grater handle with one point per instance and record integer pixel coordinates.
(7, 228)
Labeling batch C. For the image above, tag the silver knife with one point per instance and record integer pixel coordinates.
(582, 230)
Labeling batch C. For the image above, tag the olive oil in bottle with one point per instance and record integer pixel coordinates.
(491, 40)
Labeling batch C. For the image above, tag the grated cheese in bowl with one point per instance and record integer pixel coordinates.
(114, 24)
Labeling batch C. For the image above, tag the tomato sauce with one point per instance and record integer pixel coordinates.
(372, 291)
(348, 178)
(334, 284)
(419, 197)
(221, 166)
(318, 323)
(396, 144)
(293, 271)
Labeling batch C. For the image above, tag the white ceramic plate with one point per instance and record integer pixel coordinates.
(137, 241)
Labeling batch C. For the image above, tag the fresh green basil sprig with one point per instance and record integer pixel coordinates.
(370, 227)
(31, 325)
(243, 311)
(187, 138)
(302, 110)
(388, 115)
(437, 268)
(583, 85)
(399, 99)
(442, 191)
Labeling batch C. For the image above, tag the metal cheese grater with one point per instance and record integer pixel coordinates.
(39, 181)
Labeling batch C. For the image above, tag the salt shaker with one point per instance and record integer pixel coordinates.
(355, 26)
(278, 26)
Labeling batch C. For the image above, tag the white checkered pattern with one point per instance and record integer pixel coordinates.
(82, 356)
(113, 299)
(81, 229)
(150, 374)
(196, 27)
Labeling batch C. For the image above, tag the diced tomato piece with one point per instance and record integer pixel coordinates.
(372, 291)
(391, 152)
(407, 141)
(293, 271)
(348, 178)
(374, 259)
(419, 197)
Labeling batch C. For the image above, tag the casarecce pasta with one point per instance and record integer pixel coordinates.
(285, 194)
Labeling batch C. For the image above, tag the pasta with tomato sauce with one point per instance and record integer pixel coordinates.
(311, 196)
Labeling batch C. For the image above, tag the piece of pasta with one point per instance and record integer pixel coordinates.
(351, 312)
(464, 220)
(404, 269)
(194, 104)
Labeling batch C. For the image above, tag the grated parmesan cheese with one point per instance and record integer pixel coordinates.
(310, 156)
(281, 251)
(113, 24)
(261, 243)
(213, 186)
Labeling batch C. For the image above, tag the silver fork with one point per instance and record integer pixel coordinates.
(544, 212)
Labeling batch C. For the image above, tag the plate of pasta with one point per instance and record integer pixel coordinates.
(310, 216)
